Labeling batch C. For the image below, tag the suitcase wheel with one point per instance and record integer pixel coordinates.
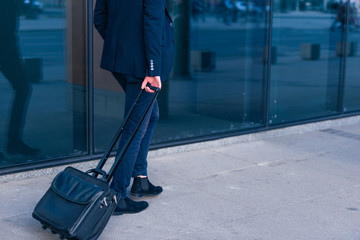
(53, 232)
(44, 227)
(62, 237)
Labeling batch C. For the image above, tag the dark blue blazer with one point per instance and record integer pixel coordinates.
(138, 37)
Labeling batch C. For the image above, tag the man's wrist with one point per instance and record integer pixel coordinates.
(155, 77)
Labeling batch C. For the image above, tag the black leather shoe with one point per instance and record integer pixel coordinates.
(128, 206)
(143, 187)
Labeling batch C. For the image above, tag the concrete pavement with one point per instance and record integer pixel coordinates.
(283, 186)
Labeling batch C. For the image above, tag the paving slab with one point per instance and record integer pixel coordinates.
(258, 151)
(21, 196)
(183, 167)
(317, 141)
(263, 188)
(23, 226)
(331, 217)
(172, 215)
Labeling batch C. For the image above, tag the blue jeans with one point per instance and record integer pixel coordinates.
(134, 162)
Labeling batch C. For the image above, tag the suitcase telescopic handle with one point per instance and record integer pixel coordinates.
(107, 154)
(121, 154)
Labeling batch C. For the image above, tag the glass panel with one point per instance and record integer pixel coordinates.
(306, 60)
(217, 84)
(352, 82)
(42, 79)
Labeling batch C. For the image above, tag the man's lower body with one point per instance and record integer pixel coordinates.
(12, 68)
(134, 162)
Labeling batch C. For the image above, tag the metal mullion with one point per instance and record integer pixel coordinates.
(267, 72)
(90, 74)
(341, 99)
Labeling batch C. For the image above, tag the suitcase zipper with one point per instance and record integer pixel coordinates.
(115, 199)
(85, 213)
(103, 203)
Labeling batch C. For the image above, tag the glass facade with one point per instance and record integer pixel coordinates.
(239, 66)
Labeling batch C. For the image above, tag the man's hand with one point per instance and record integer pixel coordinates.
(154, 82)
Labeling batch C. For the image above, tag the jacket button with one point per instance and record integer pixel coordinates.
(171, 24)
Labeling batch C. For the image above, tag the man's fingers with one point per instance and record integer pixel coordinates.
(143, 85)
(153, 81)
(148, 89)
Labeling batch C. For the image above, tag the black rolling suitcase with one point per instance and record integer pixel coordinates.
(78, 204)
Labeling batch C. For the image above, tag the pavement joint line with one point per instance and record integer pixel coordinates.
(263, 212)
(219, 173)
(233, 157)
(253, 165)
(209, 175)
(342, 133)
(16, 215)
(304, 157)
(296, 158)
(226, 172)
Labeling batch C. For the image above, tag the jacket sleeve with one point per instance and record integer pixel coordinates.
(100, 17)
(154, 15)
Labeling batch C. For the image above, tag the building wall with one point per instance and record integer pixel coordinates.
(253, 66)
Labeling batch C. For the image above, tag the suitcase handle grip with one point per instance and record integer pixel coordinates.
(117, 136)
(97, 172)
(155, 89)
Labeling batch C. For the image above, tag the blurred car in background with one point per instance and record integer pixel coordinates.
(31, 8)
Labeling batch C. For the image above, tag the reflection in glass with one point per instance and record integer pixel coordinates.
(38, 112)
(305, 77)
(352, 74)
(12, 68)
(217, 84)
